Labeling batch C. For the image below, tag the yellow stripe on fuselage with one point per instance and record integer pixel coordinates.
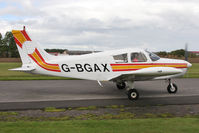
(143, 66)
(34, 54)
(175, 65)
(131, 67)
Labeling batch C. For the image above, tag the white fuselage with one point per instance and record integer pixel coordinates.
(102, 66)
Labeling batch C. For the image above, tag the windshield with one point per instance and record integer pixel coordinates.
(153, 56)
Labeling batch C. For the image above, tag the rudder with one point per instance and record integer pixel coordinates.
(26, 46)
(31, 54)
(21, 37)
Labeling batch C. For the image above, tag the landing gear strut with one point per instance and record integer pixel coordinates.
(121, 85)
(131, 91)
(172, 88)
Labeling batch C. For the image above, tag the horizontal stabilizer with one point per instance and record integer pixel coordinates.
(23, 69)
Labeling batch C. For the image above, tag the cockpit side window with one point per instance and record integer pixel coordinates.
(138, 57)
(122, 58)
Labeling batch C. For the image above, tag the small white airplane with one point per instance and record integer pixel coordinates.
(120, 66)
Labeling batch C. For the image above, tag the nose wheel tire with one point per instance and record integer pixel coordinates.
(172, 88)
(121, 85)
(133, 94)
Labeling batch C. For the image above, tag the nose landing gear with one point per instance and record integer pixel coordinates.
(172, 88)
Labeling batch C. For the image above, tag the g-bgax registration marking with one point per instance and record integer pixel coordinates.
(86, 67)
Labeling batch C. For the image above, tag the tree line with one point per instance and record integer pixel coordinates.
(176, 53)
(8, 49)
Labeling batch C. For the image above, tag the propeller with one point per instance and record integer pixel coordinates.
(186, 52)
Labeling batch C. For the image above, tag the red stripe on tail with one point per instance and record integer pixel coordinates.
(42, 66)
(36, 50)
(26, 35)
(17, 42)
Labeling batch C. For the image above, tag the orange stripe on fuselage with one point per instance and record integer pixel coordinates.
(42, 66)
(137, 66)
(43, 63)
(36, 50)
(36, 56)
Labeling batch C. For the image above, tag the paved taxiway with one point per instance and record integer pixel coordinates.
(74, 93)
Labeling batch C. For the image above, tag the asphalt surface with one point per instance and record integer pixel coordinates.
(36, 94)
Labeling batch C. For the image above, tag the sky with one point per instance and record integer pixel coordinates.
(156, 25)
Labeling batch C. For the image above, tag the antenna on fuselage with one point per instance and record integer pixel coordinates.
(186, 52)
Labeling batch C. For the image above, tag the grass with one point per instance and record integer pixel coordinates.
(152, 125)
(53, 109)
(115, 106)
(8, 113)
(193, 72)
(86, 115)
(5, 74)
(87, 108)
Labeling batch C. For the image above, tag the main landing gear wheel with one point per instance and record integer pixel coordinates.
(133, 94)
(121, 85)
(172, 88)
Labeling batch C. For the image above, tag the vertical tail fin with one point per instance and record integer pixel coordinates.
(21, 37)
(26, 46)
(31, 53)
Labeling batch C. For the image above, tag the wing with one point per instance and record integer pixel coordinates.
(146, 72)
